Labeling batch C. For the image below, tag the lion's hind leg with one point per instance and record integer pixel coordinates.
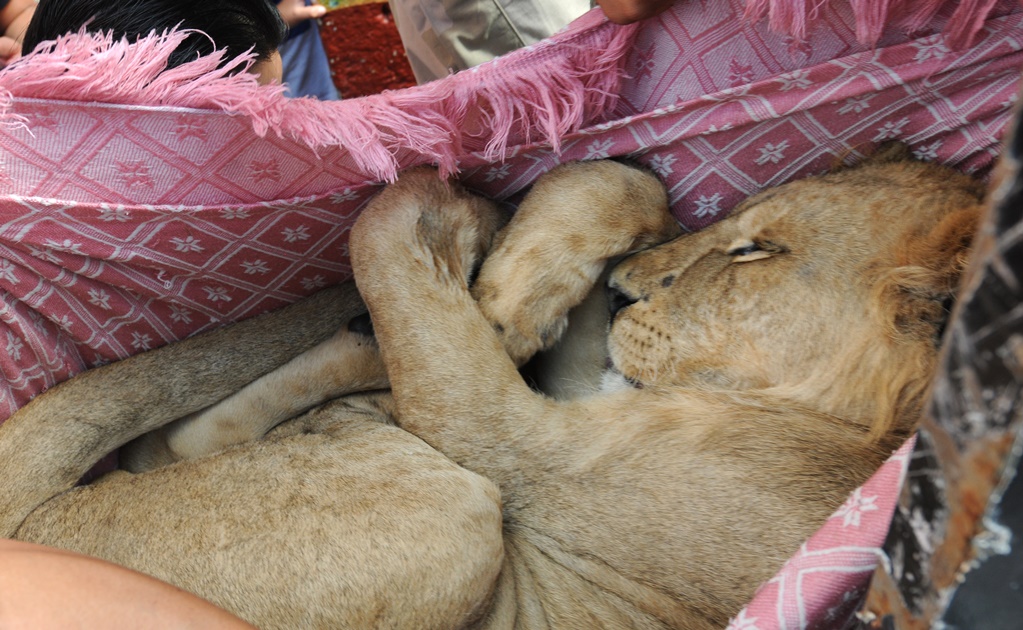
(50, 443)
(332, 416)
(347, 362)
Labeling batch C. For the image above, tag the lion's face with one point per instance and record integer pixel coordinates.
(802, 286)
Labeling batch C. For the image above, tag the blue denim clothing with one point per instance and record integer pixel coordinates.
(306, 68)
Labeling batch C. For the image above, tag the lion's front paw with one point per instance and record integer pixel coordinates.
(426, 219)
(524, 326)
(576, 218)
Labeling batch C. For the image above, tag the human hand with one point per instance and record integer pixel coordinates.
(629, 11)
(295, 11)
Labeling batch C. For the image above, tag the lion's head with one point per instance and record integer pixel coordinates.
(830, 291)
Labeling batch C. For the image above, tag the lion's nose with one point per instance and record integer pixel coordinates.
(617, 300)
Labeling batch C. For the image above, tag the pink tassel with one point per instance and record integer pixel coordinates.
(7, 115)
(966, 22)
(756, 10)
(791, 17)
(920, 13)
(485, 109)
(797, 17)
(871, 19)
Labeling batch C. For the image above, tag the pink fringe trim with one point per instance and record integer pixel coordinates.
(538, 94)
(532, 95)
(796, 17)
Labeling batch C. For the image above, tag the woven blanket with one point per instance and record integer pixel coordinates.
(140, 207)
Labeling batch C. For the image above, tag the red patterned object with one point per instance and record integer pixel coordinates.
(364, 50)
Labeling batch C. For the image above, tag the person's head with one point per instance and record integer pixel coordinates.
(234, 25)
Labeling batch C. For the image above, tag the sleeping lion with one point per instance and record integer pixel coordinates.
(752, 375)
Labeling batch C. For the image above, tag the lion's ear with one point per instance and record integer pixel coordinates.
(923, 284)
(946, 249)
(913, 299)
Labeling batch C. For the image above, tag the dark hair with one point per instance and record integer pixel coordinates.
(235, 25)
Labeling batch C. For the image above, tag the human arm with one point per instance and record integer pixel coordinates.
(49, 589)
(628, 11)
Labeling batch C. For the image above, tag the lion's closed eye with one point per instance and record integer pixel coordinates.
(747, 250)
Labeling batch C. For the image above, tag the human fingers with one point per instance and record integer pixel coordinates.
(295, 11)
(629, 11)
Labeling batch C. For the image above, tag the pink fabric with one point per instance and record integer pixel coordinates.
(721, 108)
(874, 17)
(823, 584)
(483, 111)
(126, 226)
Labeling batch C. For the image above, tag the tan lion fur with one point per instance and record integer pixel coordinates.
(765, 366)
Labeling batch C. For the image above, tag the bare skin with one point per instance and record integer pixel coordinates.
(629, 11)
(49, 589)
(14, 19)
(295, 12)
